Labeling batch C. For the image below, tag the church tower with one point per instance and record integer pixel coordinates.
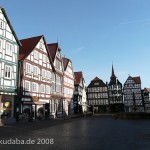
(115, 93)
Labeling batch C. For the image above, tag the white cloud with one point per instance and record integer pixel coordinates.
(77, 50)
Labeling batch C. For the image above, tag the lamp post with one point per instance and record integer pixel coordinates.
(1, 124)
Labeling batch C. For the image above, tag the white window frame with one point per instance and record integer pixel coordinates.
(1, 45)
(43, 73)
(47, 89)
(58, 64)
(35, 71)
(1, 24)
(8, 72)
(28, 68)
(34, 87)
(42, 88)
(48, 75)
(44, 58)
(9, 49)
(36, 54)
(41, 45)
(27, 85)
(0, 70)
(58, 84)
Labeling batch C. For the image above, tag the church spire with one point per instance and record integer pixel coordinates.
(113, 76)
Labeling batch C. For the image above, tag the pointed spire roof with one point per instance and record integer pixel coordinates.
(113, 73)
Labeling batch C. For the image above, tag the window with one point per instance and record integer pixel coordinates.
(35, 71)
(53, 86)
(0, 69)
(48, 75)
(58, 64)
(44, 58)
(28, 68)
(36, 55)
(41, 46)
(42, 88)
(47, 89)
(1, 46)
(9, 49)
(1, 24)
(27, 86)
(34, 87)
(43, 73)
(58, 83)
(8, 72)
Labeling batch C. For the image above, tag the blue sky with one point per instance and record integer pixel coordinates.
(92, 33)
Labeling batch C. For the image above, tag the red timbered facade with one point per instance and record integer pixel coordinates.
(35, 76)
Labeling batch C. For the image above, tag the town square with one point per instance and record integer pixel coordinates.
(74, 75)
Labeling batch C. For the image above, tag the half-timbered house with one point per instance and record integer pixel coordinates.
(9, 45)
(79, 100)
(68, 85)
(132, 95)
(115, 94)
(35, 74)
(97, 96)
(56, 102)
(146, 98)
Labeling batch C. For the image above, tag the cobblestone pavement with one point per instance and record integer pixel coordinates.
(85, 133)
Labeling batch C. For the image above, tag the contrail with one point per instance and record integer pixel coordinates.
(135, 21)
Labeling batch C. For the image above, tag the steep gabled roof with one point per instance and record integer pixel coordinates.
(27, 46)
(137, 80)
(8, 21)
(147, 89)
(97, 80)
(78, 77)
(65, 62)
(53, 49)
